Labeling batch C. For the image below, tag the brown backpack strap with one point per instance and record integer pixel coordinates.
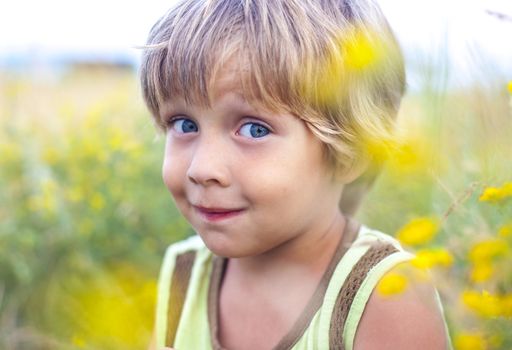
(348, 291)
(178, 290)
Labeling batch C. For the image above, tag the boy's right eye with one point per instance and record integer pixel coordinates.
(183, 125)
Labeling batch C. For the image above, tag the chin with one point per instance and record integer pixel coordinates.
(223, 247)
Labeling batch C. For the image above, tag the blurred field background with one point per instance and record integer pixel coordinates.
(85, 217)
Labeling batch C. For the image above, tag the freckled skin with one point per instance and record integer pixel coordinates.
(280, 181)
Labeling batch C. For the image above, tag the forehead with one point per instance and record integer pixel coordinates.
(235, 77)
(224, 73)
(228, 78)
(224, 85)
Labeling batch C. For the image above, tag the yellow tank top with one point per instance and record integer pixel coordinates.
(190, 277)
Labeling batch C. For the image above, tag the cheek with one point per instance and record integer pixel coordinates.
(273, 184)
(302, 165)
(173, 172)
(296, 176)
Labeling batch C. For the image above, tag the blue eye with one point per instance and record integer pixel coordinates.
(254, 130)
(183, 125)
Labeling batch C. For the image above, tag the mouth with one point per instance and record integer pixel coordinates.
(217, 214)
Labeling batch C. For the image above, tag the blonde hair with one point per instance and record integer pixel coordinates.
(333, 63)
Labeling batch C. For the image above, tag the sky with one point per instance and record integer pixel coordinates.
(461, 31)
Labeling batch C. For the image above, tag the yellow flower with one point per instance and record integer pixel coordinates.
(116, 140)
(411, 154)
(50, 155)
(418, 231)
(363, 50)
(428, 258)
(488, 250)
(44, 201)
(78, 341)
(115, 311)
(331, 82)
(482, 255)
(497, 194)
(391, 284)
(380, 149)
(469, 341)
(9, 152)
(484, 303)
(482, 272)
(97, 202)
(506, 305)
(509, 87)
(505, 230)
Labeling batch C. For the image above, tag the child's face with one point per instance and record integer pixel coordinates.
(247, 181)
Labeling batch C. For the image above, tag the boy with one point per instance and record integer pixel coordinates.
(270, 108)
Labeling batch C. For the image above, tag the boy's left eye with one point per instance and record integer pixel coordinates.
(254, 130)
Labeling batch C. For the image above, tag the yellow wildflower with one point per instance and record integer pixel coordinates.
(45, 200)
(97, 202)
(506, 305)
(9, 152)
(428, 258)
(380, 149)
(484, 303)
(111, 304)
(497, 194)
(509, 87)
(363, 50)
(488, 250)
(392, 283)
(482, 272)
(418, 231)
(331, 81)
(469, 341)
(116, 140)
(505, 230)
(78, 341)
(50, 155)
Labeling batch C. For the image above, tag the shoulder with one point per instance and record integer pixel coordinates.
(402, 312)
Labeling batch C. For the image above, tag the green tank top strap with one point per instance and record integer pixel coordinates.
(376, 253)
(184, 263)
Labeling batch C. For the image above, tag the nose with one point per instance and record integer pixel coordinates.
(209, 163)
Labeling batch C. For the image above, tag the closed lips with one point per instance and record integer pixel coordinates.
(216, 210)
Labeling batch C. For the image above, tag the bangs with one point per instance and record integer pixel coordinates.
(263, 46)
(183, 51)
(333, 63)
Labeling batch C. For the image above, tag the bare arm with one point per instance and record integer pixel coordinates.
(407, 320)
